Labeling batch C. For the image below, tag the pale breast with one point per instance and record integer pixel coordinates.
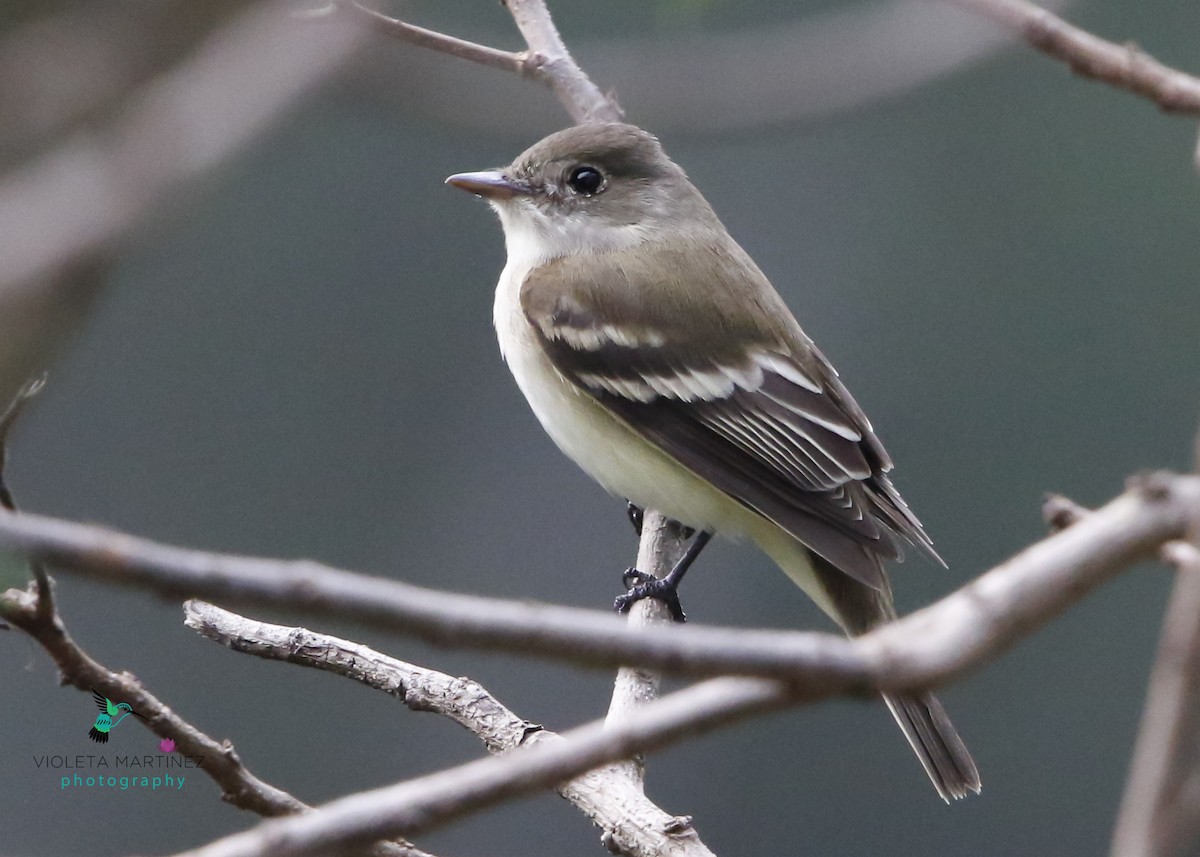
(612, 453)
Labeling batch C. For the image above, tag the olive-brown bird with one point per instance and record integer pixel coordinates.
(657, 355)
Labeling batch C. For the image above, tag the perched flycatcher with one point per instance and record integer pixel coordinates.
(657, 355)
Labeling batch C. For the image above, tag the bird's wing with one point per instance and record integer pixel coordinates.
(754, 409)
(101, 701)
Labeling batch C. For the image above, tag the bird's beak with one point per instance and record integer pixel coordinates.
(492, 184)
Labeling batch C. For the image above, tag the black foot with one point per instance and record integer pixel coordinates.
(636, 515)
(642, 585)
(666, 590)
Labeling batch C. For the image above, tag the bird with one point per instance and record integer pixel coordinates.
(658, 356)
(104, 720)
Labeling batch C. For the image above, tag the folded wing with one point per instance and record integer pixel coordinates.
(759, 414)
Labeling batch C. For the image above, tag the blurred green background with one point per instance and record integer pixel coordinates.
(297, 360)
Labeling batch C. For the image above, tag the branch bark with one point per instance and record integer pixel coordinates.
(929, 647)
(35, 612)
(1123, 66)
(1160, 810)
(418, 805)
(926, 648)
(238, 786)
(661, 545)
(63, 212)
(518, 63)
(728, 81)
(632, 824)
(582, 99)
(547, 60)
(422, 804)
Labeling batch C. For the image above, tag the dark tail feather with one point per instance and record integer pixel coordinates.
(936, 743)
(98, 736)
(922, 718)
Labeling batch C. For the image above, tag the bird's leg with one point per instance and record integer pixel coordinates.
(636, 514)
(666, 589)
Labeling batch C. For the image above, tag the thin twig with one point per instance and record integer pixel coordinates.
(76, 668)
(926, 648)
(44, 585)
(632, 824)
(547, 60)
(1123, 66)
(35, 613)
(217, 759)
(518, 63)
(1060, 512)
(8, 418)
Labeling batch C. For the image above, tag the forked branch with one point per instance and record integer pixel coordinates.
(612, 799)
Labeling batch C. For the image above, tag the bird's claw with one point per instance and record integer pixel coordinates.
(632, 577)
(642, 585)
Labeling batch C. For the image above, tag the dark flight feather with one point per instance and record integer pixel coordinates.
(755, 409)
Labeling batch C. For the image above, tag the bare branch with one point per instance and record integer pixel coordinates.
(547, 61)
(219, 760)
(1160, 810)
(788, 71)
(62, 212)
(422, 804)
(518, 63)
(91, 189)
(35, 613)
(929, 647)
(1060, 512)
(631, 823)
(932, 645)
(79, 62)
(1122, 66)
(661, 546)
(582, 99)
(44, 586)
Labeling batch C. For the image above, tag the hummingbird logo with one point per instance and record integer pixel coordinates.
(111, 715)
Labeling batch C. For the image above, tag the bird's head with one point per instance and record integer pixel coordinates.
(589, 188)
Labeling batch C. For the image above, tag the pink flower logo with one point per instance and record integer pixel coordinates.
(167, 745)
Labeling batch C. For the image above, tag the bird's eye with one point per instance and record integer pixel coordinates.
(585, 180)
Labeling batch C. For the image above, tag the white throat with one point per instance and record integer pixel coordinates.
(532, 236)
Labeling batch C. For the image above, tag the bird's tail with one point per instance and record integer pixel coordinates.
(98, 736)
(936, 743)
(858, 608)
